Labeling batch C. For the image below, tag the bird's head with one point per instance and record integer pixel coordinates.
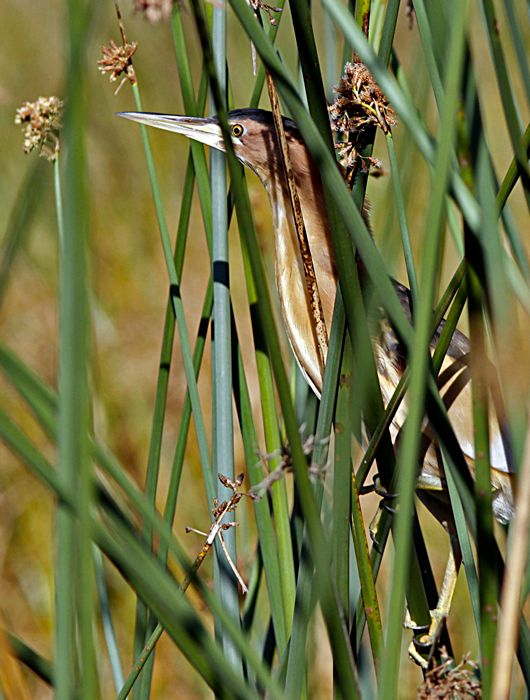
(251, 130)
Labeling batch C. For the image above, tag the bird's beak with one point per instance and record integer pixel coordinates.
(205, 130)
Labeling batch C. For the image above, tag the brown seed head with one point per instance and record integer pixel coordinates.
(41, 122)
(360, 102)
(117, 60)
(448, 680)
(154, 10)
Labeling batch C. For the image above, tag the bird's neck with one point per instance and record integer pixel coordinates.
(289, 269)
(311, 195)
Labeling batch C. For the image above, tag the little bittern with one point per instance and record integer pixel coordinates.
(256, 145)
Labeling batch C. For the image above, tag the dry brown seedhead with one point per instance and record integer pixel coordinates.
(154, 10)
(448, 681)
(360, 102)
(41, 122)
(360, 105)
(117, 60)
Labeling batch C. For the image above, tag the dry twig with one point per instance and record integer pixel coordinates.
(219, 511)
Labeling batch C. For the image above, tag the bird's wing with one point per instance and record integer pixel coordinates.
(455, 389)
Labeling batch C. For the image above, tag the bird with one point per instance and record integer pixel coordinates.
(255, 144)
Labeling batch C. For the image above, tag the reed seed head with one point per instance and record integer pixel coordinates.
(41, 122)
(449, 680)
(360, 102)
(154, 10)
(117, 60)
(360, 106)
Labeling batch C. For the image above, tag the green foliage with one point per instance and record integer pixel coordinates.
(303, 544)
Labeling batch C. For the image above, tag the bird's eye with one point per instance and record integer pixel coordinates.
(237, 130)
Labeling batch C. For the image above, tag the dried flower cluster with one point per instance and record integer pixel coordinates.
(360, 104)
(41, 121)
(154, 10)
(117, 60)
(449, 681)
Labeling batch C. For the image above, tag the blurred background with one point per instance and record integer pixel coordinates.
(129, 291)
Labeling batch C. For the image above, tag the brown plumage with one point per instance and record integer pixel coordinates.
(255, 144)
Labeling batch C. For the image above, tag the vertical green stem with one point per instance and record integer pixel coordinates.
(223, 461)
(479, 390)
(75, 574)
(342, 480)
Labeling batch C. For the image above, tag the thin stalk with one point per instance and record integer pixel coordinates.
(225, 582)
(66, 535)
(341, 481)
(483, 498)
(146, 654)
(402, 218)
(512, 174)
(512, 593)
(511, 113)
(388, 31)
(185, 419)
(464, 541)
(181, 620)
(266, 542)
(519, 45)
(427, 43)
(367, 579)
(106, 621)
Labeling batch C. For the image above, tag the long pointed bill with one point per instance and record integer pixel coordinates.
(205, 130)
